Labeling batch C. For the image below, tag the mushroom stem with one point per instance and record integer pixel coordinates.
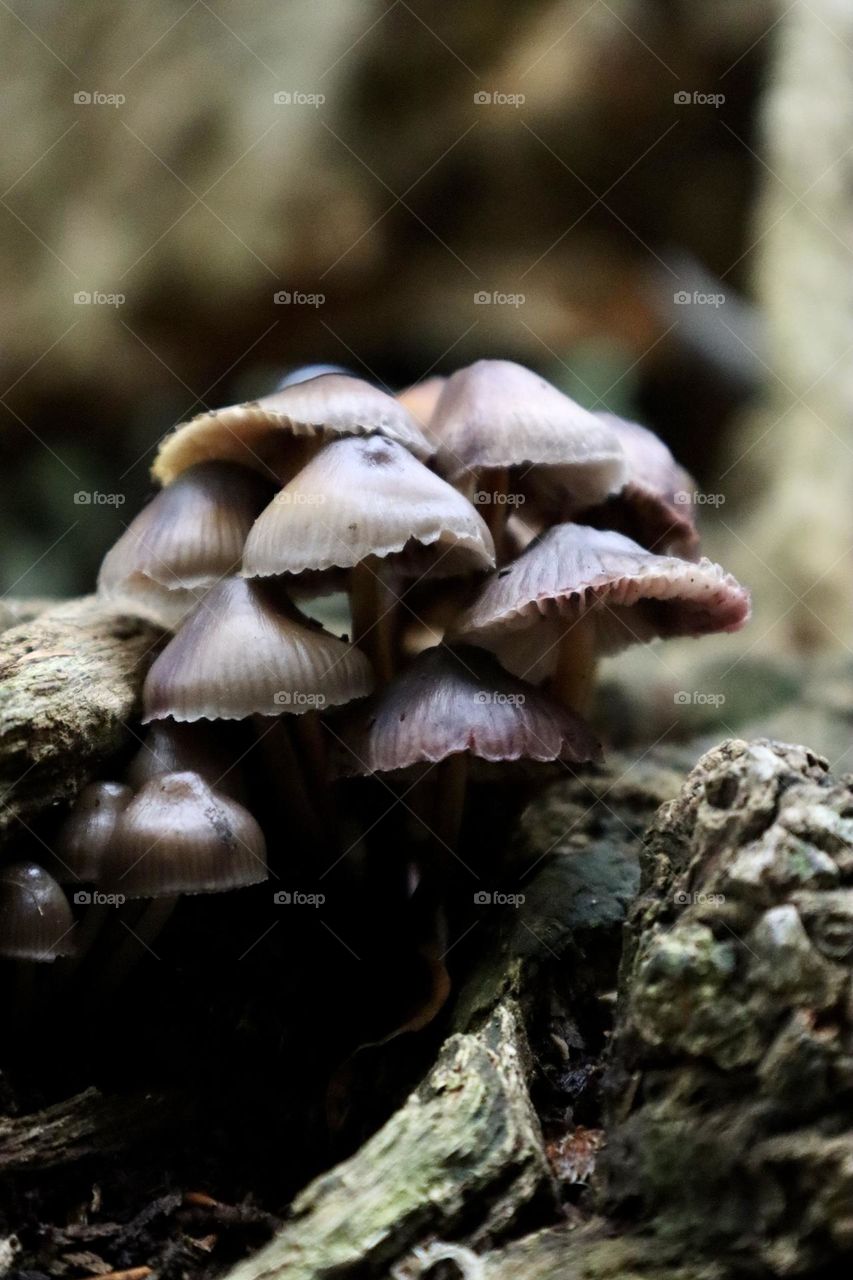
(574, 678)
(450, 803)
(281, 758)
(497, 509)
(372, 615)
(139, 937)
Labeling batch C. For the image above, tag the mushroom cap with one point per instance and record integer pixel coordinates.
(200, 748)
(572, 569)
(421, 398)
(459, 699)
(304, 373)
(245, 651)
(85, 838)
(36, 922)
(497, 414)
(361, 497)
(652, 507)
(190, 535)
(256, 433)
(178, 836)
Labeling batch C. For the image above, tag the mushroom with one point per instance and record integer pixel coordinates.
(363, 505)
(84, 838)
(454, 706)
(269, 434)
(36, 923)
(181, 836)
(421, 398)
(654, 505)
(578, 593)
(245, 650)
(178, 836)
(499, 425)
(177, 748)
(187, 538)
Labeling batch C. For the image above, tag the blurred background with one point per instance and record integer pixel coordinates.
(647, 200)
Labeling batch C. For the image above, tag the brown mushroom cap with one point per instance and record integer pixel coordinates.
(179, 836)
(496, 415)
(363, 497)
(452, 700)
(85, 837)
(191, 534)
(572, 569)
(654, 506)
(36, 922)
(203, 748)
(421, 399)
(245, 651)
(257, 434)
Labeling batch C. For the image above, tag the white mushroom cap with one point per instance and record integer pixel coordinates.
(496, 414)
(246, 651)
(360, 498)
(257, 434)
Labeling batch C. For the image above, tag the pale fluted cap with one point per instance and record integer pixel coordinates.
(245, 651)
(452, 700)
(256, 434)
(180, 836)
(360, 498)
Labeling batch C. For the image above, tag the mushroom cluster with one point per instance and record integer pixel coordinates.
(404, 598)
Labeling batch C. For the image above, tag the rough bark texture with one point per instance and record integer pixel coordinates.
(732, 1061)
(69, 683)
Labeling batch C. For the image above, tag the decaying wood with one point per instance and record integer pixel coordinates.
(89, 1124)
(14, 612)
(69, 685)
(732, 1060)
(465, 1150)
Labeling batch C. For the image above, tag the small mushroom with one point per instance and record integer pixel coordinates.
(508, 433)
(421, 399)
(187, 538)
(179, 748)
(36, 922)
(368, 506)
(180, 836)
(577, 594)
(654, 506)
(451, 707)
(268, 434)
(85, 837)
(245, 651)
